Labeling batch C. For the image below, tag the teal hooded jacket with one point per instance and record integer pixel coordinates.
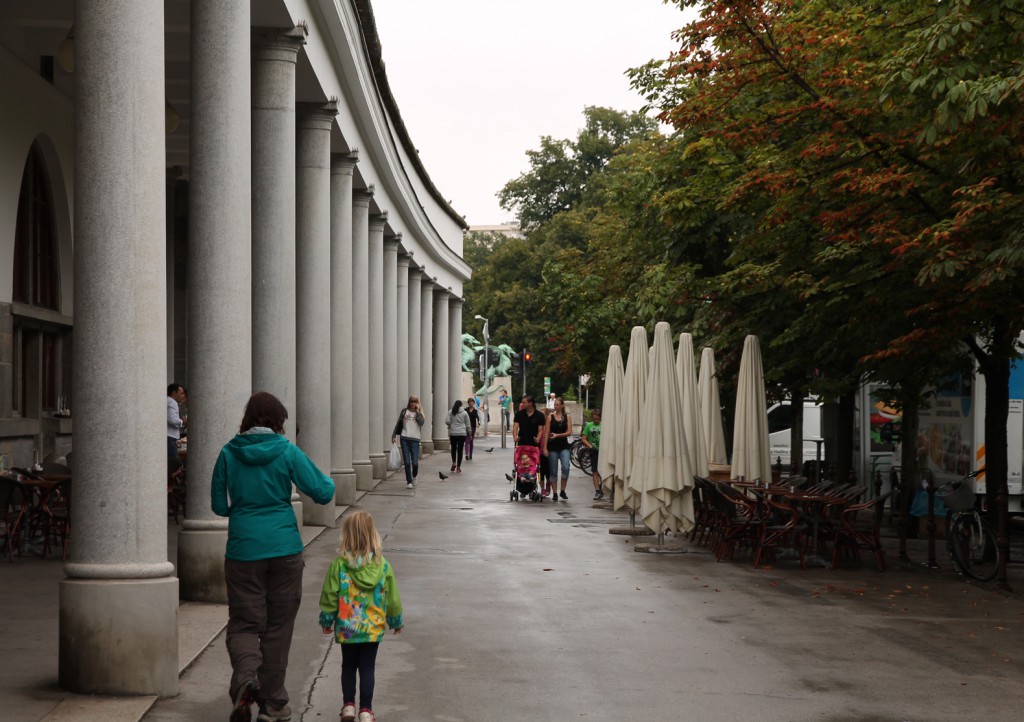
(252, 487)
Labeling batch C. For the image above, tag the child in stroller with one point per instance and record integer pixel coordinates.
(527, 459)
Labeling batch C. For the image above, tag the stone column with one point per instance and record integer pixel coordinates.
(426, 360)
(361, 339)
(220, 276)
(443, 400)
(376, 376)
(391, 405)
(273, 218)
(415, 327)
(342, 472)
(402, 321)
(455, 348)
(118, 623)
(313, 288)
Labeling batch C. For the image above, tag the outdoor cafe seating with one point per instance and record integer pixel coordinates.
(795, 518)
(36, 510)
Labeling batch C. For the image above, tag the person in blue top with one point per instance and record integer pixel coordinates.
(252, 487)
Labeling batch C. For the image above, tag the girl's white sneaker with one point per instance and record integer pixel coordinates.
(348, 713)
(366, 715)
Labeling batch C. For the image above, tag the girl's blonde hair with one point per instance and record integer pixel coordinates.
(359, 541)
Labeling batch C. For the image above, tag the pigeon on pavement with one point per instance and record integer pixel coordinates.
(509, 477)
(489, 450)
(442, 475)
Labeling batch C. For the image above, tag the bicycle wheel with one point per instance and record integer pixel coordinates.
(972, 546)
(579, 456)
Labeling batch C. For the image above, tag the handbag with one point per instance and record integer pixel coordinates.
(395, 458)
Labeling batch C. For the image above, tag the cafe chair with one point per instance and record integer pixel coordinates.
(781, 528)
(859, 528)
(703, 511)
(738, 520)
(176, 493)
(48, 521)
(13, 506)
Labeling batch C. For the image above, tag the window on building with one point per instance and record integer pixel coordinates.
(41, 339)
(36, 270)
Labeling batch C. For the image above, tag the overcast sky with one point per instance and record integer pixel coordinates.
(478, 82)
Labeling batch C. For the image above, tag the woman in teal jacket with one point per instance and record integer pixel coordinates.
(252, 487)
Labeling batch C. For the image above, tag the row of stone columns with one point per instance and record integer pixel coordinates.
(270, 206)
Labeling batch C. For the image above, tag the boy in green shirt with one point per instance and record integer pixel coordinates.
(591, 438)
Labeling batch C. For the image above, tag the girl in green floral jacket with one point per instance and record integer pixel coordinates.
(359, 597)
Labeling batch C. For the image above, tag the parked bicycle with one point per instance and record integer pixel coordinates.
(969, 538)
(580, 457)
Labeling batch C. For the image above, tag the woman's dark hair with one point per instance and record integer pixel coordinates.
(456, 406)
(264, 409)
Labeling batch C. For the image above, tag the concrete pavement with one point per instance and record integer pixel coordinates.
(533, 611)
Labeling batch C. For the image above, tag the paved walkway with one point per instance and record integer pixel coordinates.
(533, 611)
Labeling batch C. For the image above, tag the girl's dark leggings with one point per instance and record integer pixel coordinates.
(358, 657)
(458, 444)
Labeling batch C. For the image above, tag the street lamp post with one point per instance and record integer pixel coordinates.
(487, 367)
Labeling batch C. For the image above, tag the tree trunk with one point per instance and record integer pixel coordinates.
(844, 437)
(909, 467)
(796, 434)
(996, 369)
(994, 365)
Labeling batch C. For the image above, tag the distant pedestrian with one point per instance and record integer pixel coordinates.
(591, 438)
(505, 402)
(407, 428)
(359, 598)
(474, 421)
(252, 487)
(551, 401)
(457, 422)
(559, 430)
(545, 461)
(175, 424)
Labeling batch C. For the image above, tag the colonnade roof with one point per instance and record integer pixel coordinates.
(342, 59)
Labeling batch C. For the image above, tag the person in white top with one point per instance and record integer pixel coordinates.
(175, 422)
(551, 401)
(407, 429)
(458, 424)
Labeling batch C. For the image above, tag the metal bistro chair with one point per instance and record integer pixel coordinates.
(781, 528)
(853, 533)
(738, 518)
(704, 513)
(14, 508)
(176, 489)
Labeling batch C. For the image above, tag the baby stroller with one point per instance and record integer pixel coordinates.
(526, 459)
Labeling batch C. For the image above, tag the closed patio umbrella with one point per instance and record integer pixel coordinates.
(662, 467)
(611, 421)
(633, 391)
(751, 455)
(711, 408)
(686, 371)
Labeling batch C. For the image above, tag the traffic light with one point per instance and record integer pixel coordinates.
(526, 356)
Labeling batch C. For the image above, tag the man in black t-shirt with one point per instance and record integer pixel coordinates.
(527, 424)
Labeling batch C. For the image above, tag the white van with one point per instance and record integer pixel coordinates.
(780, 424)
